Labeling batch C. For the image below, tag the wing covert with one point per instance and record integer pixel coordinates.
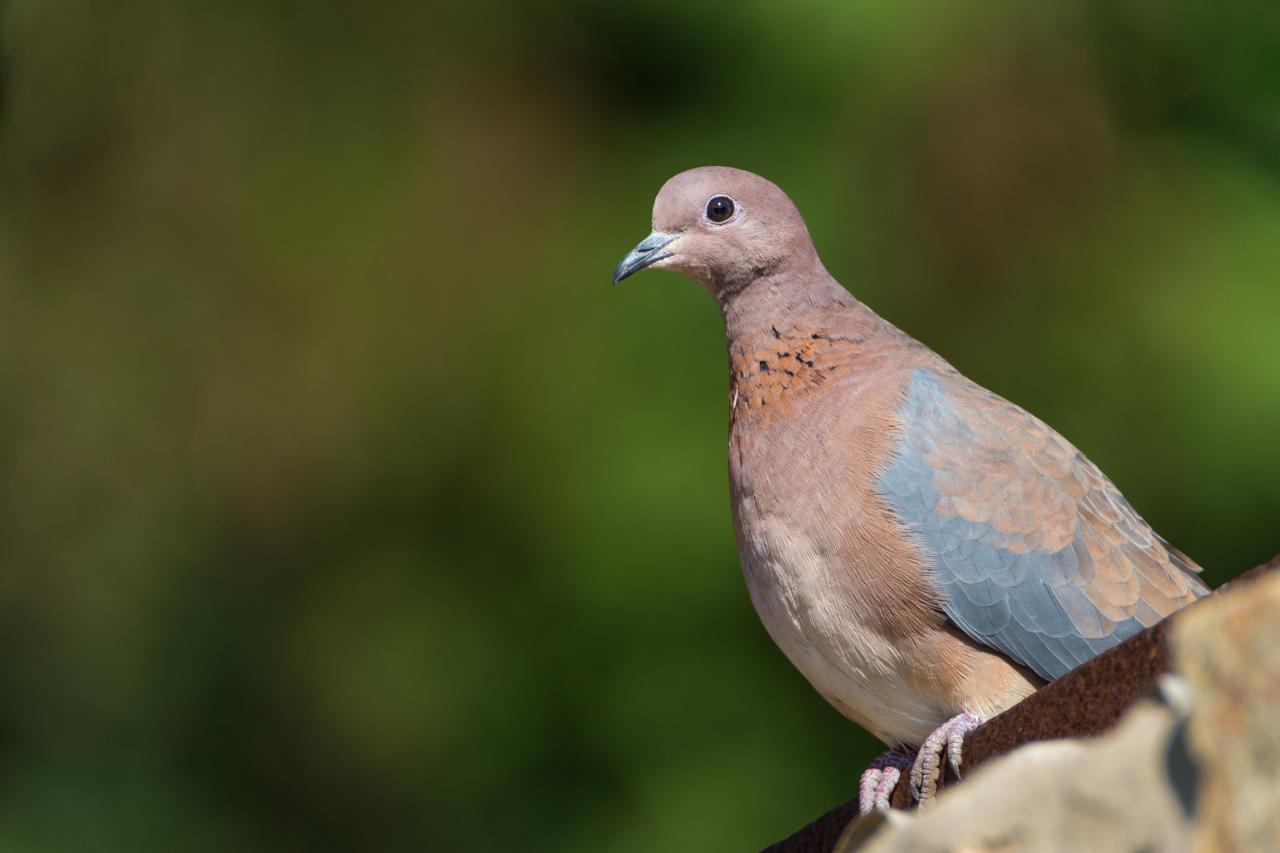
(1035, 551)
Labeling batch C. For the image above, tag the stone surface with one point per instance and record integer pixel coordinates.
(1086, 701)
(1105, 794)
(1229, 653)
(1194, 767)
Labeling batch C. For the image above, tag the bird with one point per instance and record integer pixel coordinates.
(925, 552)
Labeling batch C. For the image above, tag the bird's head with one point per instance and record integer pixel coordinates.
(724, 228)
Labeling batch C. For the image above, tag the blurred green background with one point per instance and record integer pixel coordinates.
(345, 506)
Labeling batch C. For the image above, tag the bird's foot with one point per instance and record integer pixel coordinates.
(879, 780)
(948, 738)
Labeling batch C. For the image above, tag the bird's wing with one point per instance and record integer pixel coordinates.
(1035, 551)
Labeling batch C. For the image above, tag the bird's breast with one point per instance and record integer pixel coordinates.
(827, 569)
(778, 371)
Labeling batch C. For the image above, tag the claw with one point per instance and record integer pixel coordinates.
(948, 738)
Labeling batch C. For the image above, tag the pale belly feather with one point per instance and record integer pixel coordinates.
(798, 594)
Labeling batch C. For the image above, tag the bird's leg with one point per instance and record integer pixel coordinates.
(948, 738)
(879, 779)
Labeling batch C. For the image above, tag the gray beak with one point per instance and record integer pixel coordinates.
(648, 252)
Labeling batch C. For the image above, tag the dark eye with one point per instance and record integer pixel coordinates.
(720, 208)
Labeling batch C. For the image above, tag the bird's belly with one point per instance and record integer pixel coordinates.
(798, 589)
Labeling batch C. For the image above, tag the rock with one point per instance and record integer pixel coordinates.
(1196, 767)
(1104, 794)
(1229, 651)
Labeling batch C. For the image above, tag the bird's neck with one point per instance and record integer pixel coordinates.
(793, 302)
(788, 333)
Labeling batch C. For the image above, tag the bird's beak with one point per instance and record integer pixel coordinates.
(649, 251)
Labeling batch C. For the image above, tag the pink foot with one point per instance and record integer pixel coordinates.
(948, 738)
(879, 780)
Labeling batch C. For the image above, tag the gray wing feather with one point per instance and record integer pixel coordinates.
(1036, 554)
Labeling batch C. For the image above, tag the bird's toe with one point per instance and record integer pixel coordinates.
(868, 788)
(947, 739)
(884, 790)
(878, 781)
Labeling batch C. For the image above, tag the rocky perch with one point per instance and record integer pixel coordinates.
(1170, 741)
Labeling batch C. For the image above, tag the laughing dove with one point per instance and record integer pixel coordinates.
(925, 552)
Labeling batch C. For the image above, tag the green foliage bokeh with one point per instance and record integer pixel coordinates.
(346, 506)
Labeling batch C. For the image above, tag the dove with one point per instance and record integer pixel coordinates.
(925, 552)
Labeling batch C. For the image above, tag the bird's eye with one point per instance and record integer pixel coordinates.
(720, 208)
